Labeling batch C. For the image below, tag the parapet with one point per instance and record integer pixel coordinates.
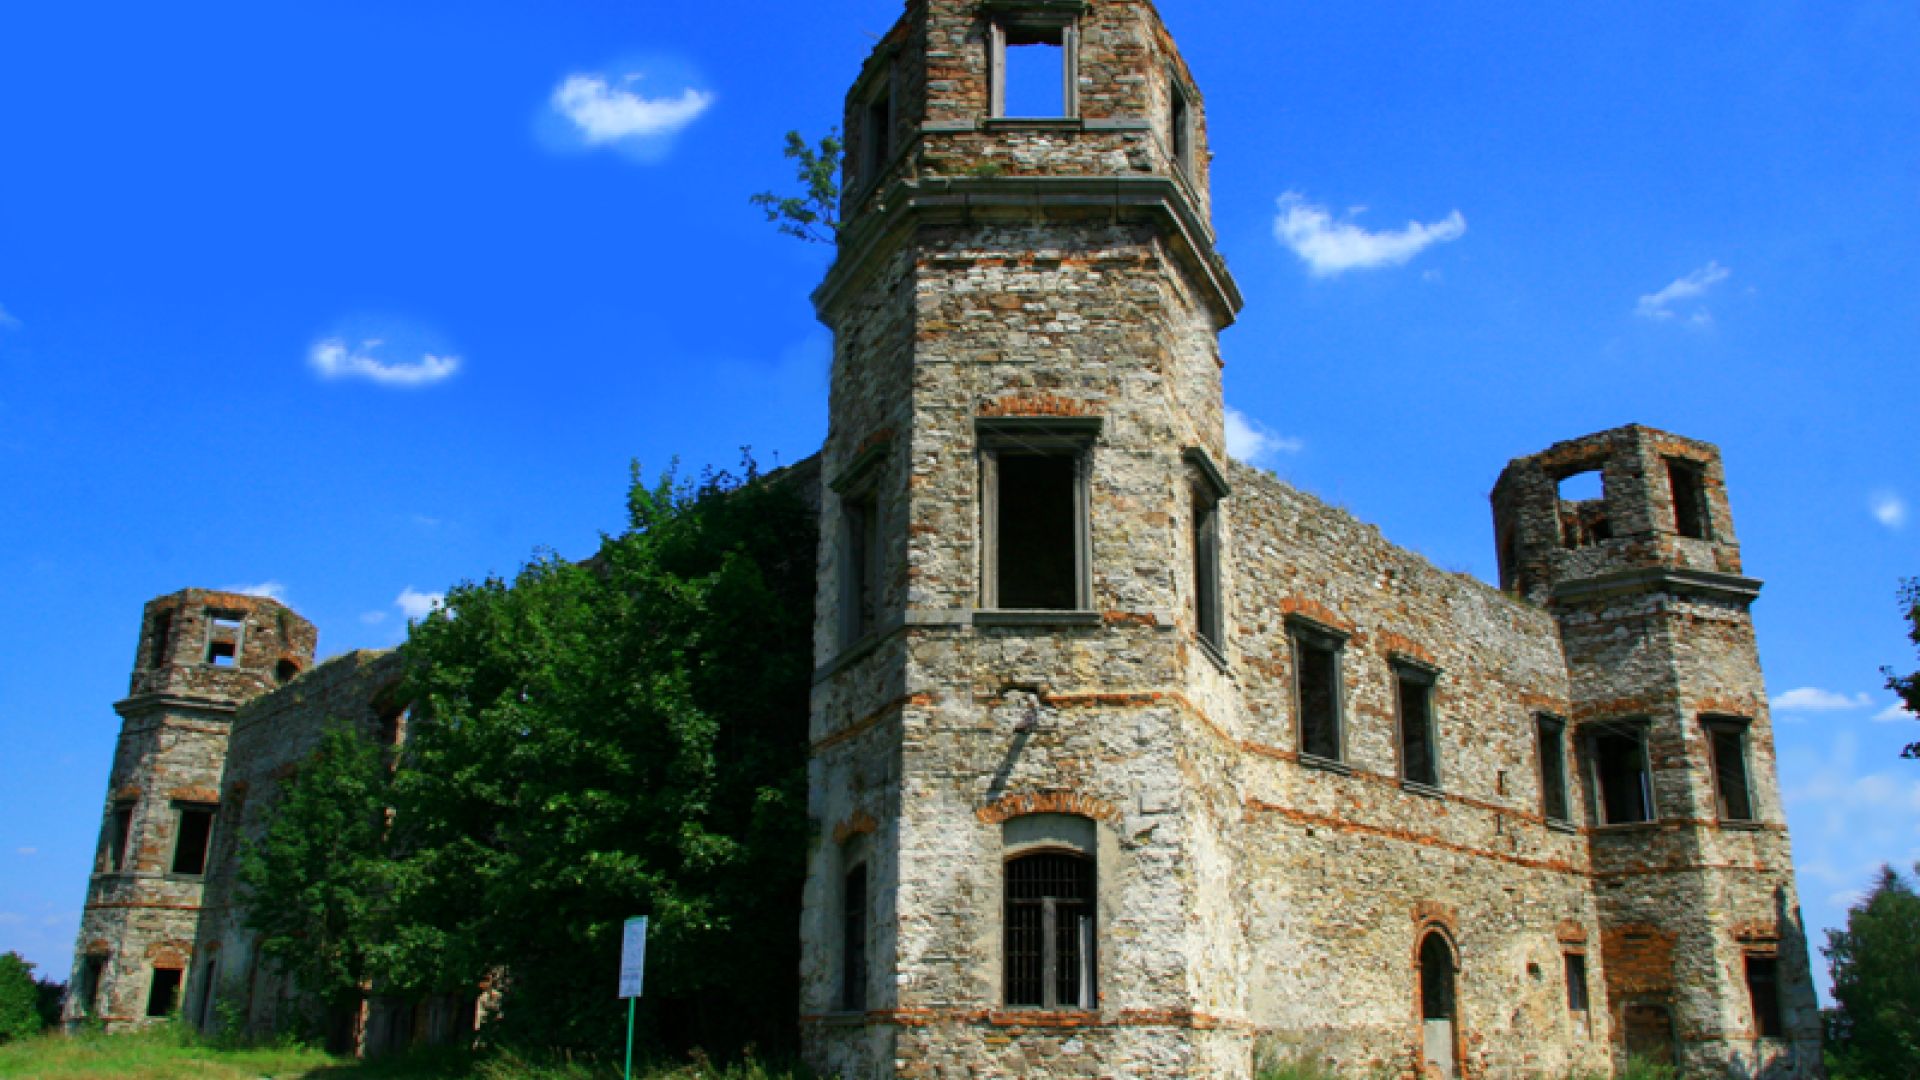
(219, 646)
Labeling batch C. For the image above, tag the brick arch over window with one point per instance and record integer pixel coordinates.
(1048, 802)
(1051, 885)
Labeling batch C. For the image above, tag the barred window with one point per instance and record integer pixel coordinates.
(1049, 928)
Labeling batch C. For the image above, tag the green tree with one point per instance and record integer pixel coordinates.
(20, 1015)
(1908, 686)
(812, 215)
(316, 879)
(621, 737)
(1874, 1028)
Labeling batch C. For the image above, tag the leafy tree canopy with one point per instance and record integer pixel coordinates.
(1908, 686)
(1874, 1029)
(20, 1009)
(812, 215)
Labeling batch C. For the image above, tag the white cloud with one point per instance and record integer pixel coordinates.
(1331, 247)
(7, 321)
(1659, 306)
(373, 618)
(333, 359)
(272, 590)
(1889, 509)
(1893, 712)
(26, 852)
(603, 113)
(1814, 699)
(1253, 442)
(416, 605)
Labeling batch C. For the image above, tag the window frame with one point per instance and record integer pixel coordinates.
(120, 835)
(1050, 949)
(181, 809)
(1767, 1023)
(1642, 730)
(1072, 437)
(173, 992)
(1409, 672)
(1304, 634)
(1181, 130)
(1579, 983)
(877, 129)
(1556, 746)
(1033, 18)
(218, 621)
(1687, 486)
(1207, 490)
(1738, 728)
(855, 941)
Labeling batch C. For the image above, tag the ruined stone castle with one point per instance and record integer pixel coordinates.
(1128, 760)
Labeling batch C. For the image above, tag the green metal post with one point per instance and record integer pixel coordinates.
(631, 1004)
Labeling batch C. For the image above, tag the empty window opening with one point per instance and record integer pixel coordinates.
(853, 938)
(1732, 794)
(1553, 770)
(163, 990)
(1419, 760)
(1206, 568)
(393, 725)
(119, 837)
(223, 637)
(160, 640)
(1317, 664)
(1035, 73)
(1583, 509)
(205, 1021)
(1763, 989)
(86, 992)
(1690, 517)
(1576, 982)
(877, 137)
(1437, 1004)
(191, 841)
(1049, 928)
(1621, 774)
(1584, 486)
(1509, 558)
(1037, 545)
(285, 671)
(860, 587)
(1181, 124)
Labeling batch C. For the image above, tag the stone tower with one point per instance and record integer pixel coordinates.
(201, 655)
(1023, 469)
(1705, 958)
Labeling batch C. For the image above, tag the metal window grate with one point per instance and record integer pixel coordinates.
(1049, 927)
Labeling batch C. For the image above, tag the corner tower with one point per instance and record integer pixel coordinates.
(201, 655)
(1019, 576)
(1705, 956)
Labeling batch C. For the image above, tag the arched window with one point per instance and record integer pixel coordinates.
(1437, 1002)
(1051, 886)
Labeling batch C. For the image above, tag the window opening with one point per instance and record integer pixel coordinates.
(1437, 1004)
(285, 671)
(1625, 784)
(191, 841)
(1037, 556)
(164, 988)
(1576, 982)
(1181, 122)
(1583, 509)
(1317, 678)
(1035, 72)
(1509, 558)
(1049, 948)
(1206, 568)
(223, 637)
(88, 992)
(861, 585)
(160, 639)
(206, 997)
(1419, 759)
(1732, 794)
(853, 922)
(1553, 770)
(1690, 516)
(393, 725)
(1763, 988)
(119, 837)
(877, 136)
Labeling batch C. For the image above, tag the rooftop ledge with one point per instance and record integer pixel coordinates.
(905, 204)
(1710, 583)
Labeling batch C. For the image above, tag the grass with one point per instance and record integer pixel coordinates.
(166, 1053)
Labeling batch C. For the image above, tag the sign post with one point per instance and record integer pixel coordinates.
(633, 967)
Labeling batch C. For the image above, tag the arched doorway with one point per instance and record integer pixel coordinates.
(1437, 1005)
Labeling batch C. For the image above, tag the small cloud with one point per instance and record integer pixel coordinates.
(1330, 247)
(272, 590)
(1659, 306)
(373, 618)
(333, 359)
(7, 321)
(1814, 699)
(1889, 509)
(1253, 442)
(1893, 712)
(604, 114)
(416, 605)
(26, 852)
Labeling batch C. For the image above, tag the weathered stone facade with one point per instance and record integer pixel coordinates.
(1307, 772)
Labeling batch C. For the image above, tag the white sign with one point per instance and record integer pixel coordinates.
(633, 957)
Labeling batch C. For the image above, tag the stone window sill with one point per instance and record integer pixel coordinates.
(1035, 618)
(1743, 825)
(1214, 653)
(1559, 826)
(1314, 761)
(1626, 828)
(1427, 791)
(1033, 123)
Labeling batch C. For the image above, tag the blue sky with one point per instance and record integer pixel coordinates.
(353, 301)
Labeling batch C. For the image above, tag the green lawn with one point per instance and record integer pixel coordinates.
(163, 1054)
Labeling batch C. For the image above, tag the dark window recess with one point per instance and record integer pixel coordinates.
(190, 843)
(207, 987)
(1035, 73)
(1763, 988)
(223, 637)
(1049, 921)
(877, 137)
(1036, 519)
(1418, 761)
(87, 993)
(1206, 568)
(1576, 982)
(161, 638)
(1620, 765)
(164, 989)
(853, 940)
(1509, 558)
(1690, 516)
(1732, 794)
(1553, 770)
(1182, 129)
(393, 726)
(285, 671)
(862, 585)
(120, 836)
(1436, 979)
(1319, 689)
(223, 653)
(1583, 509)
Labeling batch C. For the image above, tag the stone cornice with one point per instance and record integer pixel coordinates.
(1709, 583)
(907, 204)
(141, 703)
